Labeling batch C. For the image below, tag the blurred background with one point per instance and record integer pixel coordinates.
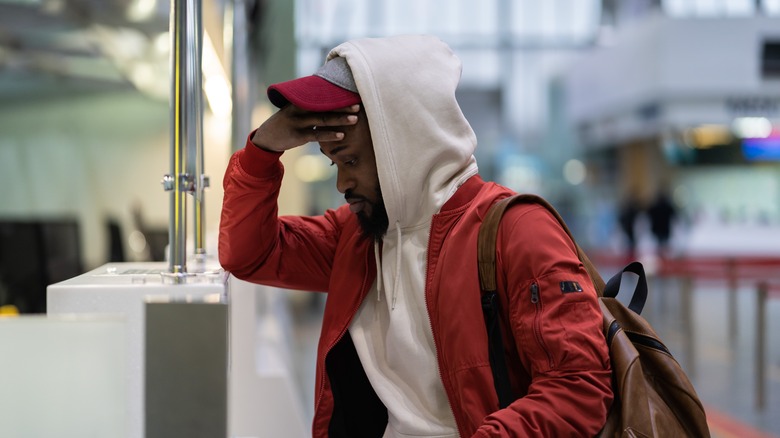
(652, 125)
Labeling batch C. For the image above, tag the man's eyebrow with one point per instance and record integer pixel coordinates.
(334, 151)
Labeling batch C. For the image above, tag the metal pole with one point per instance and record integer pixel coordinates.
(184, 46)
(732, 273)
(240, 77)
(196, 147)
(760, 367)
(686, 314)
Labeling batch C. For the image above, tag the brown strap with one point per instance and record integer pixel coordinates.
(488, 233)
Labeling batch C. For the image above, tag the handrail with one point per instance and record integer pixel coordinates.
(714, 267)
(186, 132)
(762, 275)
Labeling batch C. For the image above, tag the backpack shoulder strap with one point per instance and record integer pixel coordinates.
(488, 233)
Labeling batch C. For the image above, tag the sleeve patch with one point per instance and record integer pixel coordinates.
(570, 286)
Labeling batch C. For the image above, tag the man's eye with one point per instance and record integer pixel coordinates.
(351, 162)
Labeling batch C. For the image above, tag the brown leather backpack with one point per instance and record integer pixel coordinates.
(653, 396)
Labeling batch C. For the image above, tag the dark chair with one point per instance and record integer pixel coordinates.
(35, 254)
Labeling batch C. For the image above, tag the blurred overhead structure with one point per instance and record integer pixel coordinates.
(55, 47)
(51, 48)
(666, 76)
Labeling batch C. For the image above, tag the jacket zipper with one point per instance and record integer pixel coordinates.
(428, 276)
(535, 300)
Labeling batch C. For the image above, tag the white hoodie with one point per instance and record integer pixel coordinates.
(424, 151)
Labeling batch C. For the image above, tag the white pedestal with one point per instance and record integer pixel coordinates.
(62, 377)
(262, 400)
(121, 289)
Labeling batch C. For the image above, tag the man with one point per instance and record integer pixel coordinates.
(403, 348)
(662, 213)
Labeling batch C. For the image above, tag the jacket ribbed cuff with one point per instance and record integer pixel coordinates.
(256, 161)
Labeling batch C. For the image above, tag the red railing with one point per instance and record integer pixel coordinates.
(757, 274)
(732, 268)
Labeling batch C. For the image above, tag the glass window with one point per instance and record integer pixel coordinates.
(771, 7)
(709, 8)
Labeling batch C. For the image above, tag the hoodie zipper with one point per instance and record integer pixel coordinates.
(537, 327)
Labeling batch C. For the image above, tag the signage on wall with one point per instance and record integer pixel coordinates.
(753, 106)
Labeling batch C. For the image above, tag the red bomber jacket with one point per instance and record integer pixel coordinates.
(558, 362)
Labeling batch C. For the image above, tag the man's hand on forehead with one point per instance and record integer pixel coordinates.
(292, 127)
(325, 124)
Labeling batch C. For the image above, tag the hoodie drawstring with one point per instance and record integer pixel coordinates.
(398, 259)
(398, 253)
(378, 271)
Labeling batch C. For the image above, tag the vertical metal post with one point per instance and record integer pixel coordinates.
(196, 147)
(240, 75)
(732, 273)
(760, 367)
(185, 38)
(686, 314)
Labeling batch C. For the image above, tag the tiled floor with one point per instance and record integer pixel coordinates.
(717, 348)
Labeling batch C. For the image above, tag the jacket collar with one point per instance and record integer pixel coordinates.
(467, 192)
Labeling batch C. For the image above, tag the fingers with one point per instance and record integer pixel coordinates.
(348, 109)
(292, 127)
(325, 121)
(346, 116)
(327, 126)
(326, 134)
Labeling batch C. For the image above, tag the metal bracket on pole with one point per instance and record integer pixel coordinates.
(186, 183)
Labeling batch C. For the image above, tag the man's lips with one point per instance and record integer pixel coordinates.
(356, 205)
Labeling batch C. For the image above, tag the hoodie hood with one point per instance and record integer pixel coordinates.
(422, 142)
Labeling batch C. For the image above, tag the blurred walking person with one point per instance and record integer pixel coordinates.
(662, 213)
(630, 210)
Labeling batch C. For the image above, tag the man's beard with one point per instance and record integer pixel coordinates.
(374, 225)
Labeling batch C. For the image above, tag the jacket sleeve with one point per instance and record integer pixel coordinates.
(556, 324)
(255, 244)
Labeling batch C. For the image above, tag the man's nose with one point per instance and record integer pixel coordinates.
(344, 182)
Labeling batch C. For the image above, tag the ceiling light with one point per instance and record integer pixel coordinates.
(574, 172)
(752, 127)
(141, 10)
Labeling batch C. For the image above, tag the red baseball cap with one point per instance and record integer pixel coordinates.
(332, 87)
